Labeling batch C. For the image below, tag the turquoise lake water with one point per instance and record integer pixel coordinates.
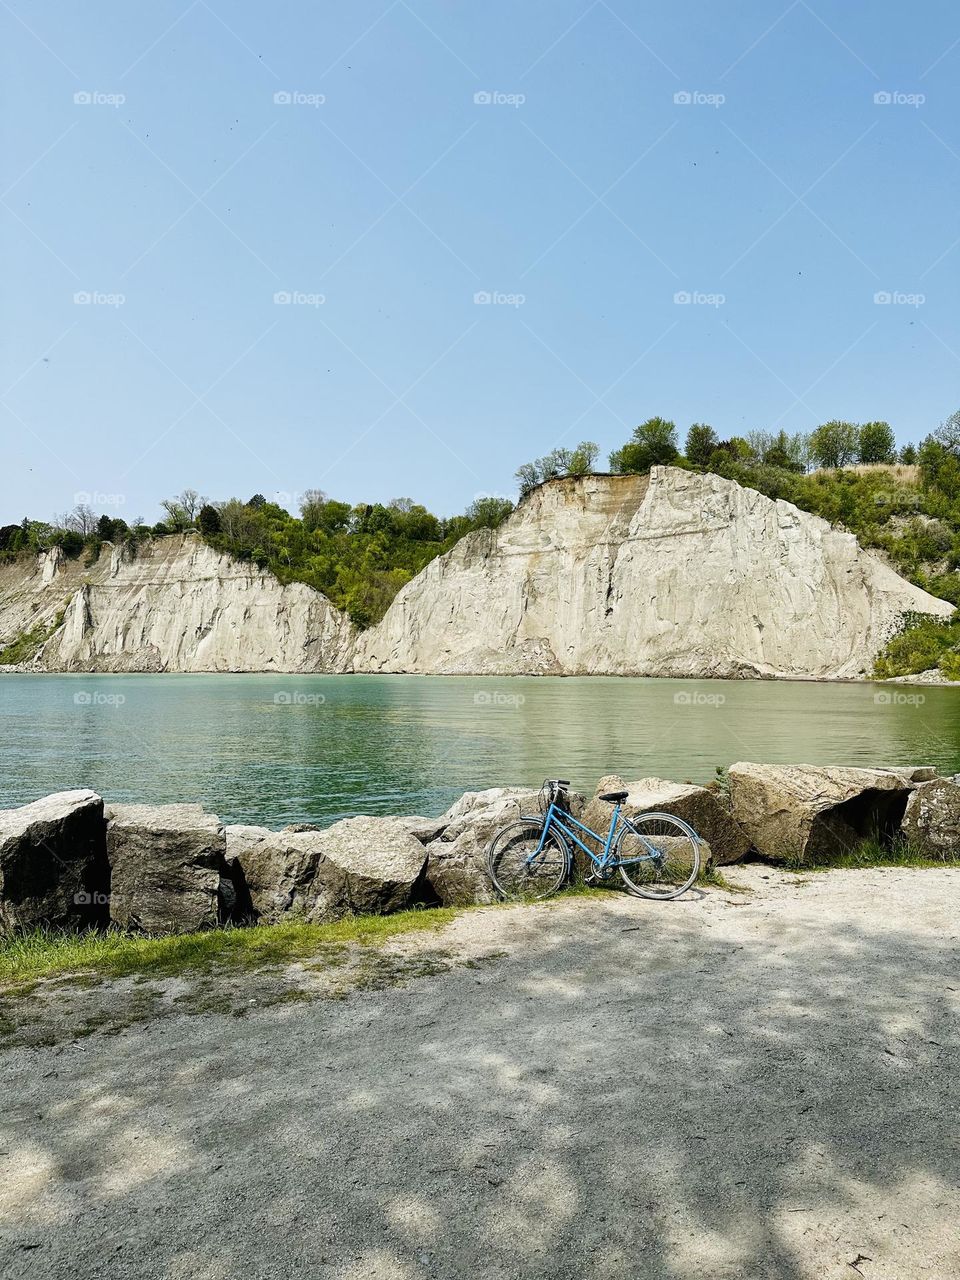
(278, 749)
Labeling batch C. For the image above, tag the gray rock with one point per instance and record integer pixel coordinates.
(279, 871)
(913, 773)
(457, 870)
(382, 862)
(166, 864)
(800, 813)
(425, 829)
(358, 866)
(53, 862)
(697, 806)
(932, 818)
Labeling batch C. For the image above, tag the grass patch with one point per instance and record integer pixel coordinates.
(73, 959)
(871, 853)
(24, 646)
(715, 879)
(45, 953)
(923, 643)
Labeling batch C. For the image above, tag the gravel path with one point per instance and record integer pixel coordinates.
(756, 1085)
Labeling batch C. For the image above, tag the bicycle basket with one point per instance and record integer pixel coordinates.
(553, 791)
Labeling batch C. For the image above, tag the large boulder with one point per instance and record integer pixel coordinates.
(357, 866)
(380, 861)
(53, 862)
(931, 822)
(803, 813)
(282, 875)
(457, 867)
(166, 863)
(274, 868)
(699, 807)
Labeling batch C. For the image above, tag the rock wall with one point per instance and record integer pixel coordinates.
(67, 860)
(678, 574)
(174, 605)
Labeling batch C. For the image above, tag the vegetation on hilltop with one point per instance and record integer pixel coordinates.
(358, 556)
(906, 505)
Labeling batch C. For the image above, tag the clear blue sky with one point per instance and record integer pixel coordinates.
(398, 198)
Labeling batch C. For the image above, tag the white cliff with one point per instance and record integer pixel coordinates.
(680, 574)
(174, 605)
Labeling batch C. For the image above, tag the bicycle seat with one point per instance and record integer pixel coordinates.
(614, 796)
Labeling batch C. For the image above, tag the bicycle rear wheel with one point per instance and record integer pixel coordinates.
(658, 855)
(520, 869)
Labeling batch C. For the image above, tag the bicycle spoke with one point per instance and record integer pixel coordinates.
(522, 866)
(658, 856)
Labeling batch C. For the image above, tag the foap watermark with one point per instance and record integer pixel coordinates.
(493, 298)
(894, 298)
(496, 98)
(94, 498)
(900, 501)
(695, 98)
(298, 699)
(697, 698)
(494, 497)
(498, 699)
(94, 698)
(94, 899)
(896, 698)
(290, 501)
(297, 98)
(294, 298)
(96, 98)
(896, 98)
(688, 298)
(93, 298)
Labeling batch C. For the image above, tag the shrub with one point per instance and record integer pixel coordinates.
(922, 644)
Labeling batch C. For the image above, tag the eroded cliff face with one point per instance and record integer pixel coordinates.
(676, 575)
(176, 605)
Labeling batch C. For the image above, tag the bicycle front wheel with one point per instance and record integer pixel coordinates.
(658, 855)
(521, 869)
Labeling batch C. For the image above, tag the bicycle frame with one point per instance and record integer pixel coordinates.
(559, 818)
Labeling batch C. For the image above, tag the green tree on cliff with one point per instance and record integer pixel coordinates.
(876, 442)
(653, 443)
(700, 444)
(835, 444)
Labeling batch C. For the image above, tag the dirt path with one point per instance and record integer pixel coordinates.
(745, 1086)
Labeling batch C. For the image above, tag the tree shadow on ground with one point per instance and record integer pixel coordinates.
(735, 1094)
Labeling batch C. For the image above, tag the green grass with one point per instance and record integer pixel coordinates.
(715, 879)
(24, 646)
(46, 953)
(922, 644)
(871, 853)
(43, 954)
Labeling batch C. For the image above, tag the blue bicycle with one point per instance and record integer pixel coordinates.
(657, 855)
